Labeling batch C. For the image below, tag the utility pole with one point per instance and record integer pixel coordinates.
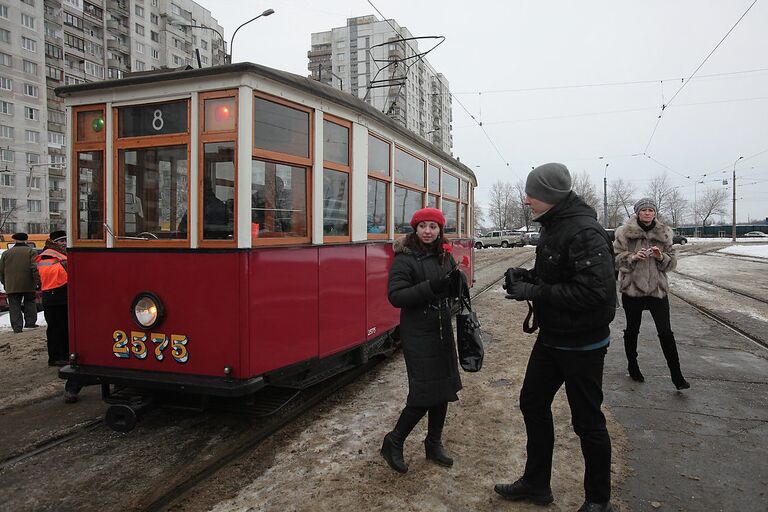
(733, 230)
(605, 197)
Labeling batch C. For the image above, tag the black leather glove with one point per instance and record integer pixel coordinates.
(441, 285)
(520, 290)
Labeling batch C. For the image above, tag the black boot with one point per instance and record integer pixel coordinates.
(630, 349)
(436, 452)
(669, 348)
(392, 451)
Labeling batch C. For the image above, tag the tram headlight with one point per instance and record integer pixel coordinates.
(147, 310)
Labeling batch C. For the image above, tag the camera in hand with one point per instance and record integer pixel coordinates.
(514, 274)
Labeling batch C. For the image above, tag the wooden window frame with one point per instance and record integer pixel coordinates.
(345, 169)
(290, 240)
(387, 180)
(405, 183)
(458, 215)
(456, 198)
(276, 156)
(141, 142)
(439, 179)
(84, 147)
(213, 136)
(423, 202)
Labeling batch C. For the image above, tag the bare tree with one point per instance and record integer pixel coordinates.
(524, 213)
(478, 217)
(6, 216)
(712, 202)
(501, 205)
(661, 191)
(620, 201)
(677, 206)
(583, 186)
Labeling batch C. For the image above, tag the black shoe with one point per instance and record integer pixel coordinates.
(16, 332)
(680, 382)
(590, 506)
(635, 373)
(392, 451)
(436, 452)
(31, 326)
(522, 490)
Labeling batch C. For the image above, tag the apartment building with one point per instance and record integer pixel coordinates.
(48, 43)
(370, 59)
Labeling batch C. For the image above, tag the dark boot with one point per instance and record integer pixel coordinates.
(522, 490)
(669, 348)
(630, 349)
(436, 452)
(392, 451)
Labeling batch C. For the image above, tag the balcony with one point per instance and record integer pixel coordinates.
(57, 195)
(115, 45)
(320, 52)
(117, 26)
(118, 6)
(57, 172)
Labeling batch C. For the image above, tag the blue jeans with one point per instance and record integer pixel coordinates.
(582, 374)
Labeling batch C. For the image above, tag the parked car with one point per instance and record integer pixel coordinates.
(499, 238)
(531, 238)
(755, 234)
(611, 234)
(679, 239)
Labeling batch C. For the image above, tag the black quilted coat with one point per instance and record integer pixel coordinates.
(425, 328)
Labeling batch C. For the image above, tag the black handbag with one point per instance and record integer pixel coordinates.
(469, 337)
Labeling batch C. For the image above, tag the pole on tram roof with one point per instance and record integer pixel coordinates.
(232, 41)
(733, 230)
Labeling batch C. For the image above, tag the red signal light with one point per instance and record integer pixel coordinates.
(221, 113)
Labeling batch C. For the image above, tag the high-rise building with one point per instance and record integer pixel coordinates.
(47, 43)
(378, 62)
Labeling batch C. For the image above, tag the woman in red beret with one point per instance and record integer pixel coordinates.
(423, 281)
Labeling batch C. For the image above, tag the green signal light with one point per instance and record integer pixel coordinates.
(97, 124)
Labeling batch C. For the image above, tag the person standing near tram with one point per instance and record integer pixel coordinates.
(19, 276)
(422, 281)
(644, 255)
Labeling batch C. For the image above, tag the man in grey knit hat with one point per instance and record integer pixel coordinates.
(573, 290)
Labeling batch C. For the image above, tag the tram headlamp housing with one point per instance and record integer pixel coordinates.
(147, 310)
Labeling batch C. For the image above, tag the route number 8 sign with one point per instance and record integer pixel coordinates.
(155, 119)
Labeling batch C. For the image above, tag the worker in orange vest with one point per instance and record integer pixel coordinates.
(52, 266)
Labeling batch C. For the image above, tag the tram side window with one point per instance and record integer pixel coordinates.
(451, 212)
(407, 201)
(377, 206)
(218, 191)
(278, 200)
(335, 203)
(152, 192)
(90, 199)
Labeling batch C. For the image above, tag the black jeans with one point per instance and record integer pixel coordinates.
(57, 333)
(15, 307)
(659, 308)
(412, 415)
(582, 373)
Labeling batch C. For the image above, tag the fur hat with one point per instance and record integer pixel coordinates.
(20, 237)
(550, 183)
(645, 202)
(428, 214)
(57, 235)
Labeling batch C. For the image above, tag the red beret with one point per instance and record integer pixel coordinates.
(428, 214)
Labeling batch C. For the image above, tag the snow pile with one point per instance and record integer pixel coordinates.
(756, 251)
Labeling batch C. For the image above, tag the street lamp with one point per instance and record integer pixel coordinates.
(232, 41)
(733, 230)
(190, 25)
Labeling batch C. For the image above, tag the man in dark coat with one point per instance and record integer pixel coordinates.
(573, 290)
(19, 276)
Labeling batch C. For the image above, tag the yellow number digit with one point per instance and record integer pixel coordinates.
(161, 343)
(120, 345)
(138, 347)
(179, 348)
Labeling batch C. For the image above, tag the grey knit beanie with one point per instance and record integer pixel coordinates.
(645, 202)
(550, 183)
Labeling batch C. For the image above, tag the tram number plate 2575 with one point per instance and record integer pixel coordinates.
(139, 345)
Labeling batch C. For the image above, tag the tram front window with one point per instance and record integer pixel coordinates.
(152, 192)
(218, 191)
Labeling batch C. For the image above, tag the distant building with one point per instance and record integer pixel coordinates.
(353, 58)
(47, 43)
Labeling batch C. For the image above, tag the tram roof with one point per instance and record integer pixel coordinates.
(297, 81)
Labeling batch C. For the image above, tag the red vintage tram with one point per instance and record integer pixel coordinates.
(231, 227)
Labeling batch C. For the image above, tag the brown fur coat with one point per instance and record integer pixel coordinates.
(644, 278)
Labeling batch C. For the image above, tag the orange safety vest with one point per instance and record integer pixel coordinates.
(52, 272)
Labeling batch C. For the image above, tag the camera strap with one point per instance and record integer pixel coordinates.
(530, 325)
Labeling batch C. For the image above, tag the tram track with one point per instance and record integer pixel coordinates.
(49, 444)
(718, 285)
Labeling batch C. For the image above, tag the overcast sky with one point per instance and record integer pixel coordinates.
(575, 60)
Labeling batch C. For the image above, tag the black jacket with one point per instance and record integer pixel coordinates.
(425, 327)
(575, 301)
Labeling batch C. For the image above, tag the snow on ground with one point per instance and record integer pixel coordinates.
(5, 321)
(757, 251)
(746, 240)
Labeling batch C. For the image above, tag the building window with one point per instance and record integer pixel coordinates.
(6, 83)
(155, 54)
(34, 182)
(140, 66)
(8, 203)
(28, 2)
(56, 138)
(27, 20)
(78, 43)
(7, 179)
(36, 227)
(33, 158)
(54, 206)
(140, 29)
(6, 132)
(140, 48)
(154, 36)
(203, 44)
(73, 21)
(34, 205)
(30, 67)
(6, 60)
(5, 35)
(340, 57)
(31, 90)
(178, 60)
(94, 69)
(29, 44)
(53, 51)
(31, 114)
(153, 18)
(53, 73)
(139, 10)
(6, 108)
(3, 11)
(32, 136)
(7, 155)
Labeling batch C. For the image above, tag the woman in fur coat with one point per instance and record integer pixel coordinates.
(422, 281)
(644, 255)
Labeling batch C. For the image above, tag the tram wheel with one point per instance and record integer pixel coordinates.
(121, 418)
